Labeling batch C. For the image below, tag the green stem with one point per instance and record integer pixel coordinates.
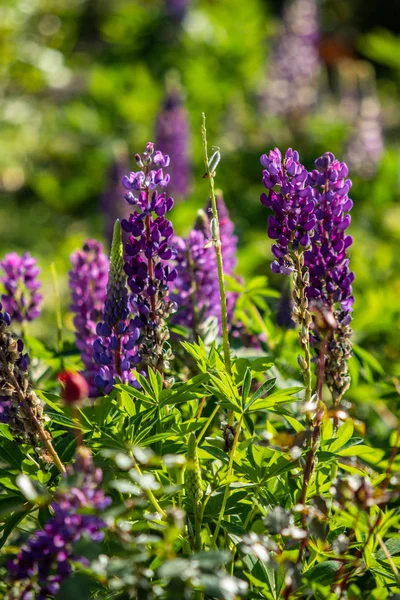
(207, 424)
(220, 267)
(197, 526)
(229, 475)
(150, 495)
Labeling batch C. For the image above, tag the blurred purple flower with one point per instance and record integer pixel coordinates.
(196, 287)
(21, 299)
(294, 67)
(88, 285)
(45, 561)
(366, 143)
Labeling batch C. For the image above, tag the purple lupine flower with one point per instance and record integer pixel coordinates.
(148, 252)
(366, 143)
(112, 200)
(197, 290)
(45, 562)
(196, 287)
(294, 66)
(330, 276)
(88, 284)
(172, 138)
(292, 201)
(22, 299)
(115, 347)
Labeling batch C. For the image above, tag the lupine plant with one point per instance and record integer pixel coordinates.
(237, 473)
(22, 298)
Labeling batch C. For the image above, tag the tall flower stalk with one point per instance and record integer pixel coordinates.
(329, 265)
(115, 348)
(216, 240)
(148, 253)
(88, 284)
(291, 226)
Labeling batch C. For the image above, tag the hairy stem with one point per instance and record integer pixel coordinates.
(229, 475)
(218, 252)
(44, 436)
(305, 321)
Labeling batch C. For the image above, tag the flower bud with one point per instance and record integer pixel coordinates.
(74, 387)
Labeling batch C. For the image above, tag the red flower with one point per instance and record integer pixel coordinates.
(74, 387)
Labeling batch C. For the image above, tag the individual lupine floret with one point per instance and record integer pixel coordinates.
(293, 204)
(148, 254)
(115, 347)
(173, 139)
(294, 68)
(22, 299)
(88, 284)
(328, 264)
(46, 560)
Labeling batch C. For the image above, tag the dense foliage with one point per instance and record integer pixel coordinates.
(199, 389)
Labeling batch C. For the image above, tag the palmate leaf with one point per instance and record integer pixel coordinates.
(263, 389)
(280, 397)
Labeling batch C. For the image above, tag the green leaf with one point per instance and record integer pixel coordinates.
(10, 454)
(263, 389)
(323, 573)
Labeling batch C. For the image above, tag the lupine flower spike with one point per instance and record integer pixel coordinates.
(22, 298)
(88, 285)
(115, 348)
(291, 226)
(20, 408)
(46, 560)
(148, 252)
(328, 264)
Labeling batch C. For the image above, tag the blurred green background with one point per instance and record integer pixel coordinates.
(81, 79)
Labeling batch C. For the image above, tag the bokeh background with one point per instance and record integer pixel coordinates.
(83, 83)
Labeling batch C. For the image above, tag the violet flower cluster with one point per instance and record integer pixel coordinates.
(177, 8)
(45, 561)
(309, 222)
(88, 284)
(292, 202)
(196, 287)
(294, 66)
(173, 139)
(22, 299)
(328, 265)
(148, 254)
(115, 350)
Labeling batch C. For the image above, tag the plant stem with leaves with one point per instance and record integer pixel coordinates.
(215, 232)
